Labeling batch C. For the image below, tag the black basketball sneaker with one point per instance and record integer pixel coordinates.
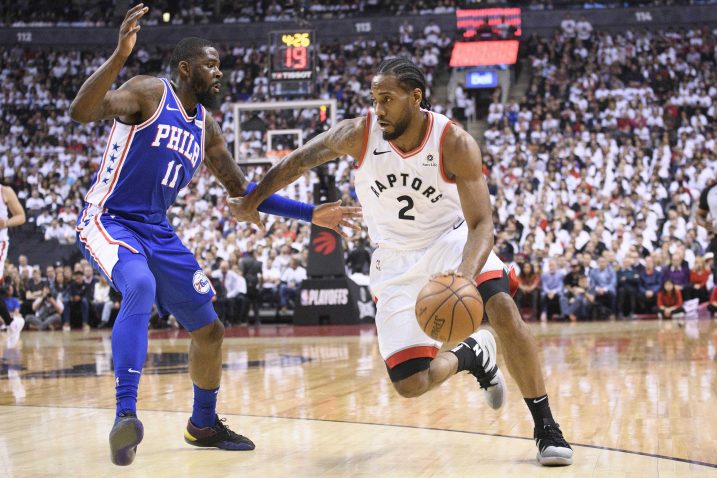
(126, 434)
(485, 368)
(553, 450)
(217, 436)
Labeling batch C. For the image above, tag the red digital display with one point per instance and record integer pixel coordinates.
(489, 23)
(485, 53)
(292, 55)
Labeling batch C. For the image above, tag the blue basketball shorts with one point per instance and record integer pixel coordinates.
(183, 289)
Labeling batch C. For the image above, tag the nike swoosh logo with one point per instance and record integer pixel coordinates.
(376, 152)
(131, 370)
(538, 401)
(172, 109)
(458, 225)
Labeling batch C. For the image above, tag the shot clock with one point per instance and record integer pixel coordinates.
(292, 62)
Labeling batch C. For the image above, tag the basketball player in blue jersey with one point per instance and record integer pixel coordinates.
(425, 201)
(160, 136)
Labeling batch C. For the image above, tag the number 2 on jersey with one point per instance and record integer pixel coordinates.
(169, 171)
(409, 205)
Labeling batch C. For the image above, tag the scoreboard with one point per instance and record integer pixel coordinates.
(292, 62)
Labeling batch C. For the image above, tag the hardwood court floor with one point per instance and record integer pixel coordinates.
(635, 399)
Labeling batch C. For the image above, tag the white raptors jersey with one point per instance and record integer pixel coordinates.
(407, 200)
(3, 215)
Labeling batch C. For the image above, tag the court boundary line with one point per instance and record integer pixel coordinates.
(414, 427)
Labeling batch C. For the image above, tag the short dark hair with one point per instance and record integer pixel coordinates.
(186, 49)
(408, 74)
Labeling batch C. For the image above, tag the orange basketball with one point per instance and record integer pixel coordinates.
(449, 308)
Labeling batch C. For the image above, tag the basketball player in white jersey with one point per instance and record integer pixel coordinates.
(11, 215)
(420, 181)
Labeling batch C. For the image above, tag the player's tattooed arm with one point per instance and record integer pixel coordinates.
(220, 161)
(94, 101)
(346, 138)
(463, 163)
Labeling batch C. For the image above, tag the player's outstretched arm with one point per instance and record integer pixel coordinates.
(346, 138)
(17, 213)
(94, 101)
(220, 162)
(463, 162)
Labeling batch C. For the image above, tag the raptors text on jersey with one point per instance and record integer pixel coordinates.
(407, 200)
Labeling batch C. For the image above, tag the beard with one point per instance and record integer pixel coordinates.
(398, 129)
(210, 100)
(206, 96)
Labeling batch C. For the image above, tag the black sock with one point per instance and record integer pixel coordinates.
(540, 409)
(465, 354)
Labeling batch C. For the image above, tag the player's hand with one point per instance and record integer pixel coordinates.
(333, 215)
(3, 223)
(244, 211)
(129, 29)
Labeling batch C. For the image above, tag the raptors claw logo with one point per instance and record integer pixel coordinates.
(324, 243)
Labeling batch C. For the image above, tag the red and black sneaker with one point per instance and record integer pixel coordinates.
(217, 436)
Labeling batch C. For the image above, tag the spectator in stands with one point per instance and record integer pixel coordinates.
(283, 260)
(251, 270)
(33, 290)
(54, 231)
(76, 306)
(551, 282)
(584, 30)
(46, 311)
(50, 276)
(576, 302)
(699, 275)
(669, 301)
(291, 280)
(568, 26)
(573, 293)
(678, 272)
(628, 285)
(101, 302)
(528, 289)
(24, 269)
(271, 277)
(235, 287)
(650, 283)
(359, 258)
(34, 204)
(60, 285)
(603, 286)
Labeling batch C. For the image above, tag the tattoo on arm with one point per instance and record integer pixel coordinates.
(221, 163)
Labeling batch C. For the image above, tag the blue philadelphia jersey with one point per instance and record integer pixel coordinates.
(144, 166)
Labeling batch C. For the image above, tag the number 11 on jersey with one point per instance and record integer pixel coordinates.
(169, 171)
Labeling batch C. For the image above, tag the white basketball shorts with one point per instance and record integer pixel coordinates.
(397, 276)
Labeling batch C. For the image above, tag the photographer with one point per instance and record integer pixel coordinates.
(47, 311)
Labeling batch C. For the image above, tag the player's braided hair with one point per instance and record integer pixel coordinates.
(408, 74)
(187, 49)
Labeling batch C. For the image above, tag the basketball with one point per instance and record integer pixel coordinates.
(449, 308)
